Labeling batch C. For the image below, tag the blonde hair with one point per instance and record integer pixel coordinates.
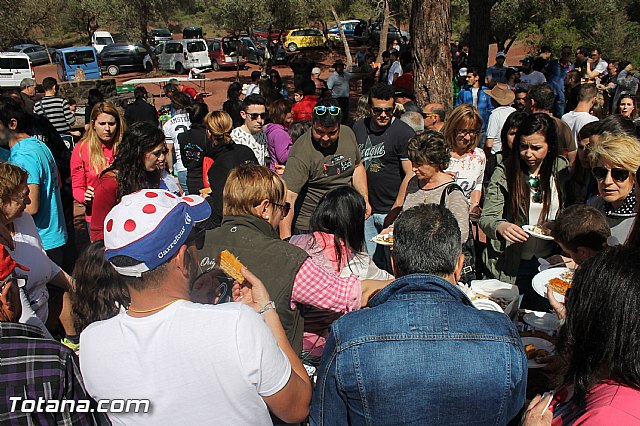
(97, 159)
(219, 124)
(11, 177)
(621, 150)
(462, 117)
(247, 185)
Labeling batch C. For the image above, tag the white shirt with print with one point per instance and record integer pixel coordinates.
(257, 142)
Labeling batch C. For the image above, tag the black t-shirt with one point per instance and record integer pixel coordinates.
(382, 155)
(194, 146)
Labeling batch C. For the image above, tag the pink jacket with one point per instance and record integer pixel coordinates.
(83, 174)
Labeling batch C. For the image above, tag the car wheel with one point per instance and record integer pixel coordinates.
(113, 70)
(292, 47)
(180, 68)
(216, 66)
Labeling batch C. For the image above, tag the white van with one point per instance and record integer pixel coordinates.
(182, 55)
(14, 66)
(100, 39)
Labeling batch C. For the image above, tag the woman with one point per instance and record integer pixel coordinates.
(278, 84)
(233, 104)
(29, 251)
(601, 385)
(254, 205)
(279, 142)
(194, 146)
(528, 188)
(95, 153)
(626, 82)
(462, 132)
(226, 155)
(626, 106)
(614, 161)
(139, 164)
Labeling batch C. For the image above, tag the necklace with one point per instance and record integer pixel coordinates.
(146, 311)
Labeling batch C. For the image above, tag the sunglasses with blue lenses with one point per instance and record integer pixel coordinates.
(322, 110)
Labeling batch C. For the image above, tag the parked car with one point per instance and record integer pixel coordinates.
(348, 28)
(192, 31)
(122, 57)
(394, 32)
(182, 55)
(69, 59)
(224, 53)
(36, 53)
(100, 39)
(158, 35)
(264, 32)
(304, 38)
(14, 66)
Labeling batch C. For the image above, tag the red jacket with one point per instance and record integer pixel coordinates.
(304, 109)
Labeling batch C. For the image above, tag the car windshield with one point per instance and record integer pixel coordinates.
(196, 46)
(79, 58)
(14, 63)
(161, 33)
(104, 40)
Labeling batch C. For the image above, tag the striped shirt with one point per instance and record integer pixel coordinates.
(57, 111)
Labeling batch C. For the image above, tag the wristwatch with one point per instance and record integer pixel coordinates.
(270, 305)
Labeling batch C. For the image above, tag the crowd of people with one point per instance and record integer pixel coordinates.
(321, 322)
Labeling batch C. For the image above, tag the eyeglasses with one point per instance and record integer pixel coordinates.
(159, 152)
(618, 174)
(378, 110)
(322, 110)
(254, 115)
(464, 132)
(286, 207)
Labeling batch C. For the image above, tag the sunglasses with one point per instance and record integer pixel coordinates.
(286, 207)
(254, 115)
(322, 110)
(464, 132)
(159, 152)
(378, 110)
(534, 183)
(618, 174)
(428, 114)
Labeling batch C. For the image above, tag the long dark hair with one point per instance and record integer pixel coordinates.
(517, 172)
(599, 337)
(514, 120)
(634, 236)
(341, 212)
(99, 291)
(139, 139)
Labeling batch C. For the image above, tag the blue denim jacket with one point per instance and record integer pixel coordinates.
(421, 354)
(484, 103)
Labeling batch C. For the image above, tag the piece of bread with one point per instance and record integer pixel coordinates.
(530, 350)
(230, 265)
(559, 285)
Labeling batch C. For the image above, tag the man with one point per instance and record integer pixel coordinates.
(434, 116)
(596, 67)
(34, 366)
(141, 110)
(405, 81)
(383, 146)
(55, 108)
(323, 158)
(496, 73)
(338, 83)
(196, 364)
(556, 73)
(501, 99)
(177, 124)
(193, 93)
(317, 81)
(474, 94)
(414, 120)
(368, 73)
(542, 100)
(253, 88)
(459, 81)
(395, 70)
(528, 76)
(521, 101)
(254, 114)
(384, 67)
(301, 65)
(541, 61)
(571, 90)
(44, 187)
(406, 359)
(580, 64)
(27, 92)
(405, 100)
(581, 115)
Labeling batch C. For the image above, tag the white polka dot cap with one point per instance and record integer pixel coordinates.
(150, 226)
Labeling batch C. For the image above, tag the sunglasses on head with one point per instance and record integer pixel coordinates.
(618, 174)
(322, 110)
(286, 207)
(378, 110)
(254, 115)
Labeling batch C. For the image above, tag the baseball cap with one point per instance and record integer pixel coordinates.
(462, 72)
(527, 60)
(501, 55)
(150, 226)
(315, 71)
(7, 264)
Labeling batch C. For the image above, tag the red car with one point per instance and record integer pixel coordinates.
(223, 53)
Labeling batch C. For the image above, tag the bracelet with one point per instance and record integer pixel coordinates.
(270, 305)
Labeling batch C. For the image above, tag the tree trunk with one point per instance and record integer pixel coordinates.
(345, 43)
(430, 28)
(479, 36)
(384, 31)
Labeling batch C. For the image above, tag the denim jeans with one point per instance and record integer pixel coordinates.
(372, 227)
(182, 180)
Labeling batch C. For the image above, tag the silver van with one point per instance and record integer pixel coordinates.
(14, 66)
(182, 55)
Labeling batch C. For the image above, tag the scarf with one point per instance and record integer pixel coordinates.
(627, 209)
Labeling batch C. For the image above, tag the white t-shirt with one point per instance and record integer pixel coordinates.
(172, 128)
(474, 96)
(576, 120)
(395, 68)
(197, 364)
(468, 171)
(257, 142)
(533, 79)
(601, 67)
(494, 127)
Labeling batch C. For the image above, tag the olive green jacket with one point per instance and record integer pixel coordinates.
(502, 258)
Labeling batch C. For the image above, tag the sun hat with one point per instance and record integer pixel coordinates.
(502, 94)
(150, 226)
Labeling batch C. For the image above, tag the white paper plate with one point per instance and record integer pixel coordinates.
(379, 239)
(541, 280)
(542, 320)
(539, 344)
(529, 230)
(487, 305)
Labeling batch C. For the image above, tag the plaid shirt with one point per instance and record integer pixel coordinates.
(33, 367)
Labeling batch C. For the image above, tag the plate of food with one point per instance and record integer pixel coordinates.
(542, 320)
(538, 232)
(384, 239)
(559, 279)
(536, 349)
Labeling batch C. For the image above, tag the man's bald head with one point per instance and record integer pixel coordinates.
(434, 115)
